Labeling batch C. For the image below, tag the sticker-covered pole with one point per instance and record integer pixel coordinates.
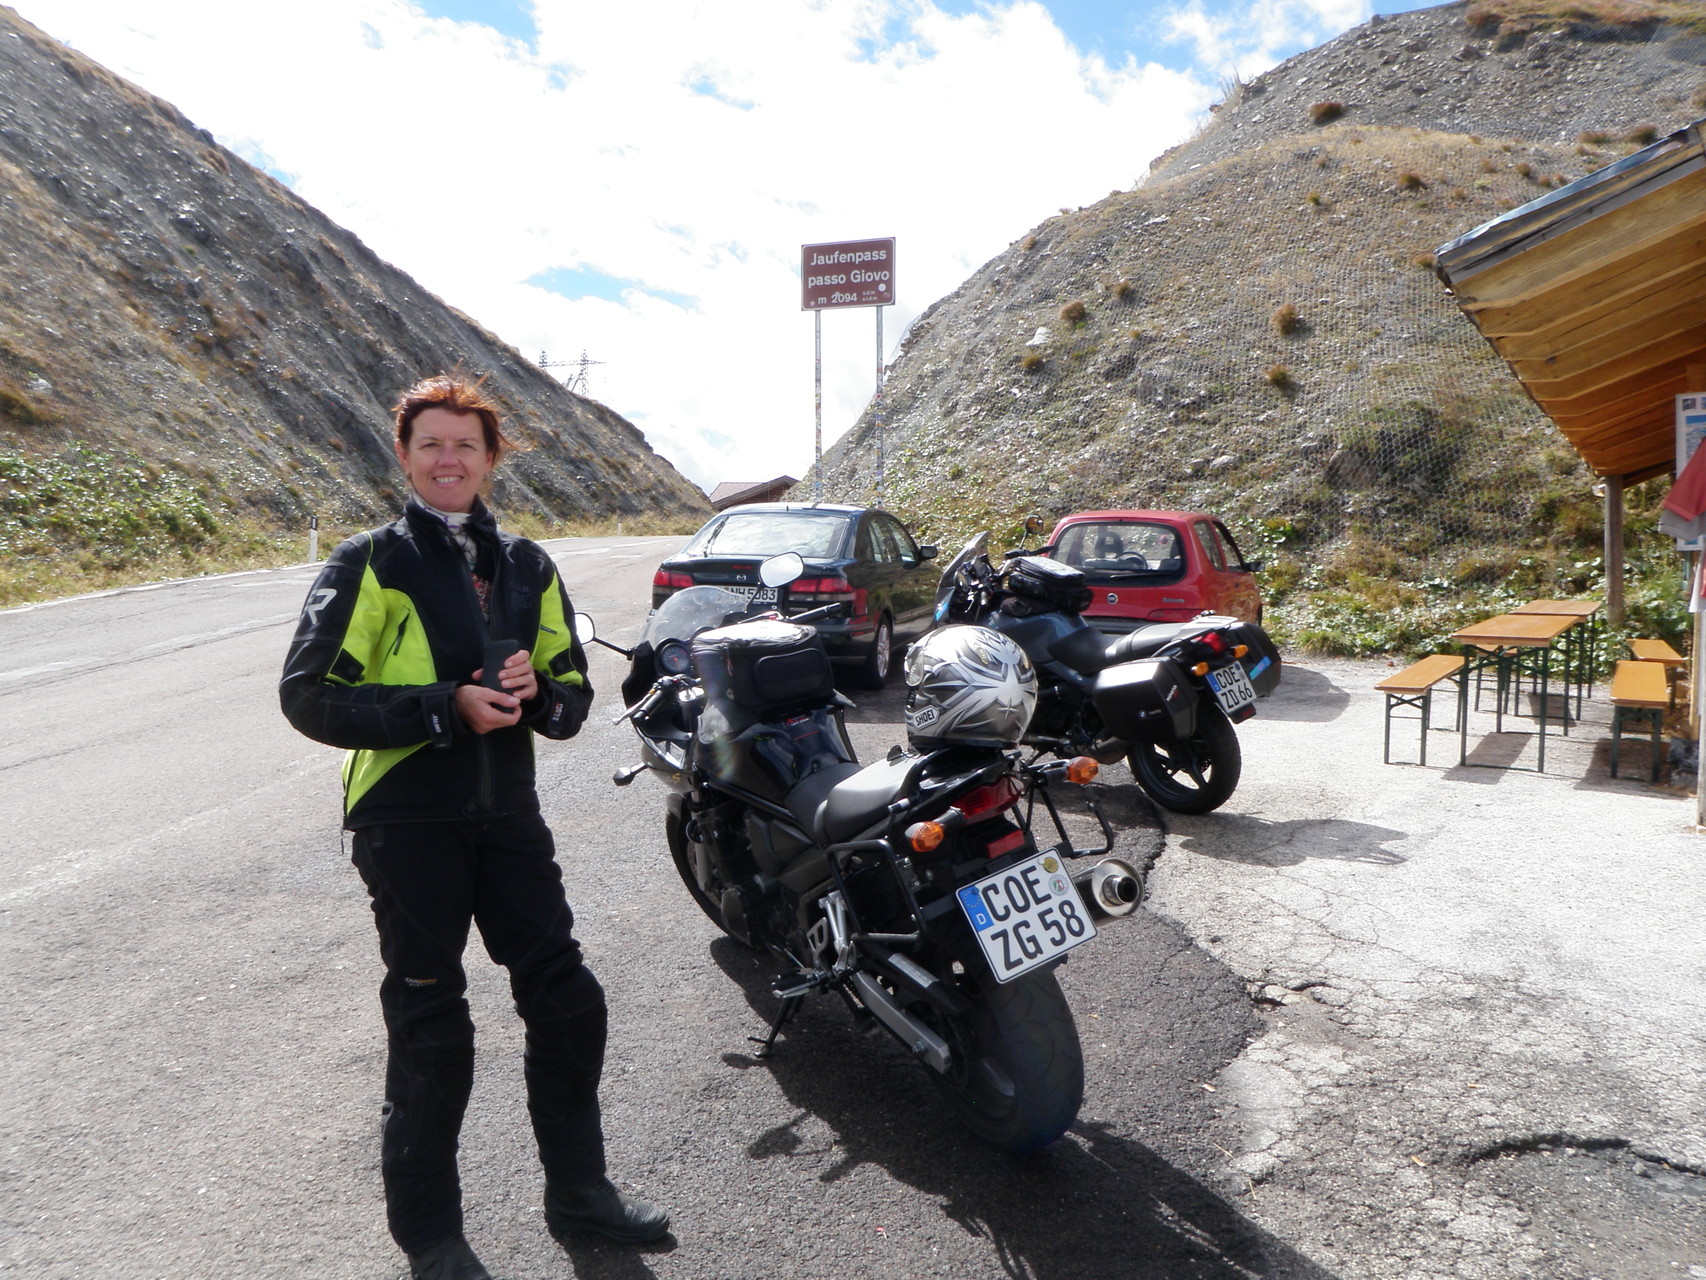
(817, 396)
(877, 405)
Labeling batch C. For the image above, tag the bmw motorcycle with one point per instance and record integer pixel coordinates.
(911, 887)
(1164, 697)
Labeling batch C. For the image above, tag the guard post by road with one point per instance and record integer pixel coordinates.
(850, 273)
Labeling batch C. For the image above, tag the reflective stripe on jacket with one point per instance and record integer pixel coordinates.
(390, 628)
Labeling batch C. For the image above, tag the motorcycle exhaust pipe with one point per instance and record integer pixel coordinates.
(1113, 888)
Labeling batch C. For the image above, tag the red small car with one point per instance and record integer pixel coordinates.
(1157, 566)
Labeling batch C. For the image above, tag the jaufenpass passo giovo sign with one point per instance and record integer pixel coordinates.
(855, 273)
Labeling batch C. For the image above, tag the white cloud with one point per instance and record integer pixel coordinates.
(686, 147)
(1244, 39)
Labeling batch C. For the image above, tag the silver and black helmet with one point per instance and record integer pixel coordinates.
(968, 686)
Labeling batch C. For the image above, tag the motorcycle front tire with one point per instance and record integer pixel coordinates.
(1017, 1077)
(1197, 774)
(682, 856)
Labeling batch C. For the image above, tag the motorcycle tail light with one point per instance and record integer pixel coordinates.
(925, 836)
(1001, 794)
(1006, 844)
(1213, 641)
(1082, 769)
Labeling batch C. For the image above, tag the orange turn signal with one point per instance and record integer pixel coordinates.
(1082, 769)
(1201, 669)
(925, 836)
(1239, 650)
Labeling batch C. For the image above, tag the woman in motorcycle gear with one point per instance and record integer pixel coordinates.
(388, 662)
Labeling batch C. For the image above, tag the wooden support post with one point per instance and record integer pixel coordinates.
(1614, 554)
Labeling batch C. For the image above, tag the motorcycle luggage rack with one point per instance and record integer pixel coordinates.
(1066, 848)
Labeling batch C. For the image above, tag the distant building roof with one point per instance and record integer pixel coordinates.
(732, 493)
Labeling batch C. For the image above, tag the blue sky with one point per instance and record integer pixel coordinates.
(644, 175)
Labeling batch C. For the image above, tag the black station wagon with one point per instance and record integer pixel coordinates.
(859, 556)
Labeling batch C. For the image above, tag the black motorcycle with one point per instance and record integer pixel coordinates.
(1164, 697)
(912, 887)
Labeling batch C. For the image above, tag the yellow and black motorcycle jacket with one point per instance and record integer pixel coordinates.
(391, 627)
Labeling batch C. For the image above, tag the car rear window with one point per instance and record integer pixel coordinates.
(770, 533)
(1136, 545)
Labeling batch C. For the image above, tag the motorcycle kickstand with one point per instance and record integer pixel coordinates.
(790, 1004)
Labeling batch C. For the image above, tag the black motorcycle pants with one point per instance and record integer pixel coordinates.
(428, 880)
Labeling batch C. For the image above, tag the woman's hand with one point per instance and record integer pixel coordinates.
(483, 709)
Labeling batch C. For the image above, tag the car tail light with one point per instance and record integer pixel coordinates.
(671, 581)
(810, 593)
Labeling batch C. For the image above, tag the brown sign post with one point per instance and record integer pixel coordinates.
(848, 273)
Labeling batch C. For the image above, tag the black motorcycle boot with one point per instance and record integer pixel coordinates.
(450, 1259)
(600, 1208)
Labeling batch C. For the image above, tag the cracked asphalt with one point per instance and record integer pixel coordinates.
(1483, 993)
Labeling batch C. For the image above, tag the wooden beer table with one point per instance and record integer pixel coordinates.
(1503, 642)
(1578, 645)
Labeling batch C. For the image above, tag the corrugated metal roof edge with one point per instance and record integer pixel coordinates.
(1558, 211)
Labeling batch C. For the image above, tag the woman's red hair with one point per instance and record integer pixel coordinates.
(458, 395)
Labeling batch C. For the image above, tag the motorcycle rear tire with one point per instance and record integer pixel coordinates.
(1194, 776)
(1017, 1078)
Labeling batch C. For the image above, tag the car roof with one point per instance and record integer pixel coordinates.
(1128, 513)
(834, 508)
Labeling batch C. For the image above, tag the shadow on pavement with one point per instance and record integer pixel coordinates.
(1235, 837)
(1103, 1206)
(1306, 696)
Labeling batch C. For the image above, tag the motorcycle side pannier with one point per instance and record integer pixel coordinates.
(1150, 699)
(1049, 583)
(760, 671)
(1262, 663)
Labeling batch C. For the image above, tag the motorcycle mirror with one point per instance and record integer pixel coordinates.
(586, 631)
(1033, 524)
(779, 571)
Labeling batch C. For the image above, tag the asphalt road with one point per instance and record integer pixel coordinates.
(1381, 1022)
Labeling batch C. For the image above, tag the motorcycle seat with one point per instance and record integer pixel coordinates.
(839, 802)
(1143, 642)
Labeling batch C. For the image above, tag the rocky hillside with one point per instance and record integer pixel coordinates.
(173, 317)
(1257, 330)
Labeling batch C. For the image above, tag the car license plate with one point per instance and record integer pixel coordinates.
(1232, 688)
(758, 595)
(1026, 915)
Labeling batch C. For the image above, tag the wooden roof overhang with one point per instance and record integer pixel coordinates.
(1596, 296)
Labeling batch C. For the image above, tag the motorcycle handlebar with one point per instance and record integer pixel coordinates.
(812, 615)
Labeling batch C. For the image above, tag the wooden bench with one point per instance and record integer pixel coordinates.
(1414, 687)
(1660, 652)
(1639, 694)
